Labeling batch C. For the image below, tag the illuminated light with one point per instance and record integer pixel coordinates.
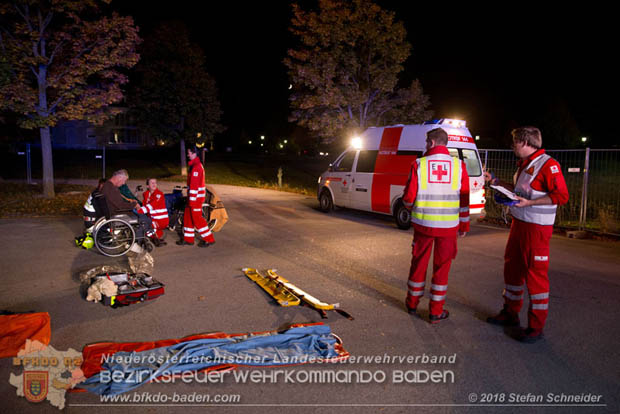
(320, 153)
(584, 139)
(200, 144)
(327, 153)
(261, 144)
(262, 137)
(290, 86)
(286, 141)
(250, 142)
(477, 137)
(320, 180)
(281, 146)
(198, 135)
(327, 182)
(356, 142)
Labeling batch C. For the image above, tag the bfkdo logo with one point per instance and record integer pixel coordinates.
(36, 385)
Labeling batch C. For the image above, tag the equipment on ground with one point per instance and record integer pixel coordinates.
(132, 288)
(85, 241)
(273, 287)
(282, 288)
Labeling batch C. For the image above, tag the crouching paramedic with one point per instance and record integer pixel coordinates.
(192, 218)
(154, 204)
(540, 188)
(438, 191)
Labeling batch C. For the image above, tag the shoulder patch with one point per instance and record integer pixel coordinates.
(530, 171)
(196, 174)
(554, 169)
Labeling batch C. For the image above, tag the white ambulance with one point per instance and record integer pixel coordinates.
(371, 174)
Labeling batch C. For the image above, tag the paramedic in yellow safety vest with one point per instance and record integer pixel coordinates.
(437, 193)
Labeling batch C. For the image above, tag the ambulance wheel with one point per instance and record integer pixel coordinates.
(402, 216)
(326, 203)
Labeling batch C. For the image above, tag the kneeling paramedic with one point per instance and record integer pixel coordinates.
(438, 191)
(192, 218)
(154, 204)
(540, 188)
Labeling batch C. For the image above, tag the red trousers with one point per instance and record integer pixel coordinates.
(445, 251)
(526, 263)
(192, 218)
(159, 225)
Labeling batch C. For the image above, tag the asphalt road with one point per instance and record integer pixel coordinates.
(359, 260)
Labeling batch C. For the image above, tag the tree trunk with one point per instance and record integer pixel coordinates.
(48, 166)
(183, 158)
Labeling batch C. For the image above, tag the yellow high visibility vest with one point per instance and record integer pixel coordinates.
(439, 187)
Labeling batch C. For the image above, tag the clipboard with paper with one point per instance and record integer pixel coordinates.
(504, 196)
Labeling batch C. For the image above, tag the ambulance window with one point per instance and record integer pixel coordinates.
(346, 162)
(454, 152)
(366, 161)
(472, 162)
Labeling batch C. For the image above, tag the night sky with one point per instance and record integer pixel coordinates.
(496, 68)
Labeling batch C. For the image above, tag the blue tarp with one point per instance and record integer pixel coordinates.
(126, 371)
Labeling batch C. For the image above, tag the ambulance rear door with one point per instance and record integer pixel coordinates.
(470, 156)
(340, 178)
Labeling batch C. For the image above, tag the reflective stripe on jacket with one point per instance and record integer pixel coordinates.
(196, 184)
(437, 204)
(540, 214)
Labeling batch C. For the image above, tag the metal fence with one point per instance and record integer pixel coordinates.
(593, 180)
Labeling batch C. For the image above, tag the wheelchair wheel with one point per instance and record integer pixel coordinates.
(114, 237)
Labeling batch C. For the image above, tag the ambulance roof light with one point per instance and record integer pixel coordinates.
(457, 123)
(356, 142)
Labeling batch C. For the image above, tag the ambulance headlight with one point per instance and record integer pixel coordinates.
(356, 142)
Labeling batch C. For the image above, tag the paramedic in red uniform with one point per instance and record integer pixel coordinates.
(154, 204)
(540, 187)
(438, 191)
(192, 218)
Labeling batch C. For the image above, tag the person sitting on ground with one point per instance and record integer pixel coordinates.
(154, 204)
(117, 204)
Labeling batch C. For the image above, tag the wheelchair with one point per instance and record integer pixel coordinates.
(115, 235)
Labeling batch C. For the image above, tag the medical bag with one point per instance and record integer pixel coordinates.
(132, 288)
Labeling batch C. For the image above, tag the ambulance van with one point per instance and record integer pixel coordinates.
(371, 174)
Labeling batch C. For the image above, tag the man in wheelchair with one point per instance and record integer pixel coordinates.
(117, 205)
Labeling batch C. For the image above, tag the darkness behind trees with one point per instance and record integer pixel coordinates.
(496, 68)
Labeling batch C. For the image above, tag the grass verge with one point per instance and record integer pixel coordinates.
(19, 200)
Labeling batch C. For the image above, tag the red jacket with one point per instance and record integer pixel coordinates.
(154, 205)
(196, 184)
(549, 180)
(411, 191)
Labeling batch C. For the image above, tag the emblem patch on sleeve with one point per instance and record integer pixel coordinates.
(554, 169)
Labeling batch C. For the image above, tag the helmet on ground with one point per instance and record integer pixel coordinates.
(85, 241)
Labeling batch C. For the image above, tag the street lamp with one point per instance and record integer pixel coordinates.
(584, 139)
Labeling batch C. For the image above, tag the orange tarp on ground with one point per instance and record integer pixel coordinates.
(16, 329)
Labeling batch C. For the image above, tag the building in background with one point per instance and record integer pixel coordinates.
(118, 132)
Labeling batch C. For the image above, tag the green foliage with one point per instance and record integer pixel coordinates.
(64, 66)
(345, 70)
(173, 96)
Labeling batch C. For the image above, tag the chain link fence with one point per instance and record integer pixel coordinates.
(592, 177)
